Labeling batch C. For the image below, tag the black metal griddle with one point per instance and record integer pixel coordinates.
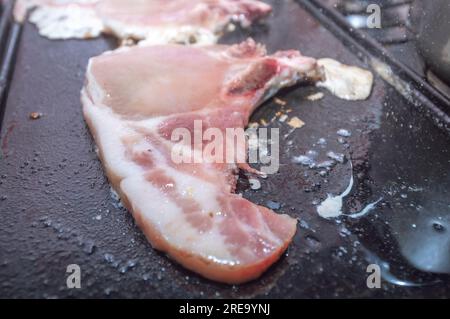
(56, 206)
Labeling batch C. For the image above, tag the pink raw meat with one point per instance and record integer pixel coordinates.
(135, 98)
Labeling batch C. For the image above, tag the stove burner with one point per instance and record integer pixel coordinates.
(399, 34)
(395, 18)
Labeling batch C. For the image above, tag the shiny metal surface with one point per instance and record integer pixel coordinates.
(432, 25)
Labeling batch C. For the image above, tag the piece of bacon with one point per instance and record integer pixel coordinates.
(155, 21)
(134, 99)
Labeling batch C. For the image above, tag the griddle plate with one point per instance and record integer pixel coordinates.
(56, 206)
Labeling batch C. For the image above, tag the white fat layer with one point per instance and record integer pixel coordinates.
(67, 22)
(167, 217)
(182, 35)
(170, 222)
(109, 131)
(163, 214)
(96, 93)
(152, 35)
(346, 82)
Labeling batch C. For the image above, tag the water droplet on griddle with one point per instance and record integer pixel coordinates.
(146, 277)
(89, 247)
(108, 291)
(326, 164)
(109, 258)
(273, 205)
(344, 133)
(128, 265)
(304, 160)
(303, 224)
(323, 173)
(336, 156)
(312, 241)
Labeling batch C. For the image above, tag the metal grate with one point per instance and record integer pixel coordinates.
(6, 9)
(402, 58)
(395, 18)
(9, 38)
(397, 33)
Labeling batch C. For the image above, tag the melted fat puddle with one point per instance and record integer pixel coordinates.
(332, 206)
(346, 82)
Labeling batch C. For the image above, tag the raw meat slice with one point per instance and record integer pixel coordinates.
(155, 21)
(194, 21)
(133, 101)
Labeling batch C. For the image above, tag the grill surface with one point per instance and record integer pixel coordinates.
(56, 207)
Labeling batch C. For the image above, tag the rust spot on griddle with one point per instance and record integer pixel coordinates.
(5, 140)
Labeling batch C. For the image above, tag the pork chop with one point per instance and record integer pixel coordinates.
(155, 21)
(133, 100)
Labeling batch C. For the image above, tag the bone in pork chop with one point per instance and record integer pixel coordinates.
(133, 100)
(155, 21)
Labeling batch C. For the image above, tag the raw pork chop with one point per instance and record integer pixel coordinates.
(193, 21)
(156, 21)
(134, 99)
